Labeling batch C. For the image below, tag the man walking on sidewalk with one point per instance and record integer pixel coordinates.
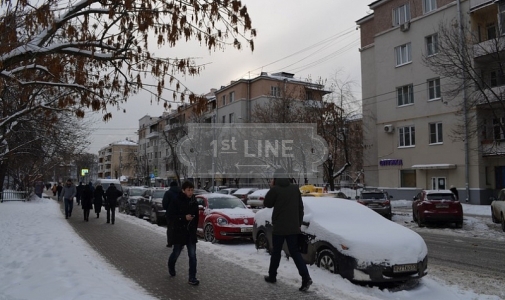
(287, 218)
(111, 196)
(183, 214)
(68, 193)
(169, 196)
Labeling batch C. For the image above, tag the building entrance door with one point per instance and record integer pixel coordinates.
(500, 177)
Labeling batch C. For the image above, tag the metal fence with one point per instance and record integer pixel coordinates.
(9, 195)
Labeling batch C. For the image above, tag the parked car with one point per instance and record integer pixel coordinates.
(337, 236)
(498, 209)
(223, 217)
(437, 206)
(377, 200)
(339, 194)
(150, 204)
(243, 192)
(255, 199)
(227, 191)
(128, 202)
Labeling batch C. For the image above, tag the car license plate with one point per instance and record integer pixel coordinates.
(404, 268)
(246, 229)
(442, 206)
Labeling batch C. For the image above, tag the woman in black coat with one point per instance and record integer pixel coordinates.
(86, 201)
(99, 197)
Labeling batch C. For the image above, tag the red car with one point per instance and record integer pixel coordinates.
(223, 217)
(437, 206)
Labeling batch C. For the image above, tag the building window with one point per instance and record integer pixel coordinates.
(407, 136)
(434, 89)
(401, 14)
(403, 54)
(405, 95)
(498, 125)
(491, 31)
(224, 100)
(408, 178)
(432, 44)
(224, 119)
(232, 118)
(429, 5)
(274, 91)
(232, 97)
(436, 136)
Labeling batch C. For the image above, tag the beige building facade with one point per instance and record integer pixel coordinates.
(117, 160)
(410, 126)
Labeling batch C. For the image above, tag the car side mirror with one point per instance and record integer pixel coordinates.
(348, 197)
(415, 198)
(390, 197)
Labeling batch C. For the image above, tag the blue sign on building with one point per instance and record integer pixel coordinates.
(391, 162)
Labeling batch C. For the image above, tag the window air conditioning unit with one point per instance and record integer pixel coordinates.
(389, 128)
(405, 26)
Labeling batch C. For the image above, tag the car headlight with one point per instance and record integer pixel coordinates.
(221, 221)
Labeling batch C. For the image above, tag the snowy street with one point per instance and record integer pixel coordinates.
(44, 258)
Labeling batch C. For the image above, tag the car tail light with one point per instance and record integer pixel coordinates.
(261, 198)
(387, 202)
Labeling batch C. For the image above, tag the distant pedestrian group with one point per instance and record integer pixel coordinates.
(88, 197)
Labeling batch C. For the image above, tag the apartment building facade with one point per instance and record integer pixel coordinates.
(411, 127)
(117, 160)
(233, 103)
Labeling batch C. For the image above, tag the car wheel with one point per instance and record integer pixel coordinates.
(208, 233)
(495, 220)
(153, 217)
(262, 242)
(459, 224)
(420, 222)
(326, 260)
(502, 223)
(414, 216)
(137, 213)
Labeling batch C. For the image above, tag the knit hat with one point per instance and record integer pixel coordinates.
(173, 183)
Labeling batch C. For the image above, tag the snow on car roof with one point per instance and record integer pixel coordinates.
(261, 192)
(243, 190)
(370, 237)
(438, 192)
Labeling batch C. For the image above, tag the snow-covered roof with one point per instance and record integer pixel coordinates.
(125, 142)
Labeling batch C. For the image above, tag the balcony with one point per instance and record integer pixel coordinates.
(489, 47)
(153, 134)
(493, 148)
(476, 4)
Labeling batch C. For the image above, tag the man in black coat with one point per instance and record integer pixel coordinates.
(183, 215)
(111, 195)
(172, 193)
(287, 218)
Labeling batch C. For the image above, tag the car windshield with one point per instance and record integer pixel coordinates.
(135, 192)
(158, 193)
(372, 196)
(444, 196)
(218, 203)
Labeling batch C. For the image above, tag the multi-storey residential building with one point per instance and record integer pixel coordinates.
(117, 160)
(411, 125)
(233, 103)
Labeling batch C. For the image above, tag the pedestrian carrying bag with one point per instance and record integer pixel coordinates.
(303, 243)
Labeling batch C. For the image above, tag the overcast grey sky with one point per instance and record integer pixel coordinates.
(308, 38)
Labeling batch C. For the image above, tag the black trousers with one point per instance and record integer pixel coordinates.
(111, 214)
(86, 214)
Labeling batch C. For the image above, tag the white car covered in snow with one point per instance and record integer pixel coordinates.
(256, 198)
(349, 239)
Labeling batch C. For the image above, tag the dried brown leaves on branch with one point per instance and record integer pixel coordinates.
(96, 53)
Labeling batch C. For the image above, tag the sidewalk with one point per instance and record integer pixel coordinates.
(141, 255)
